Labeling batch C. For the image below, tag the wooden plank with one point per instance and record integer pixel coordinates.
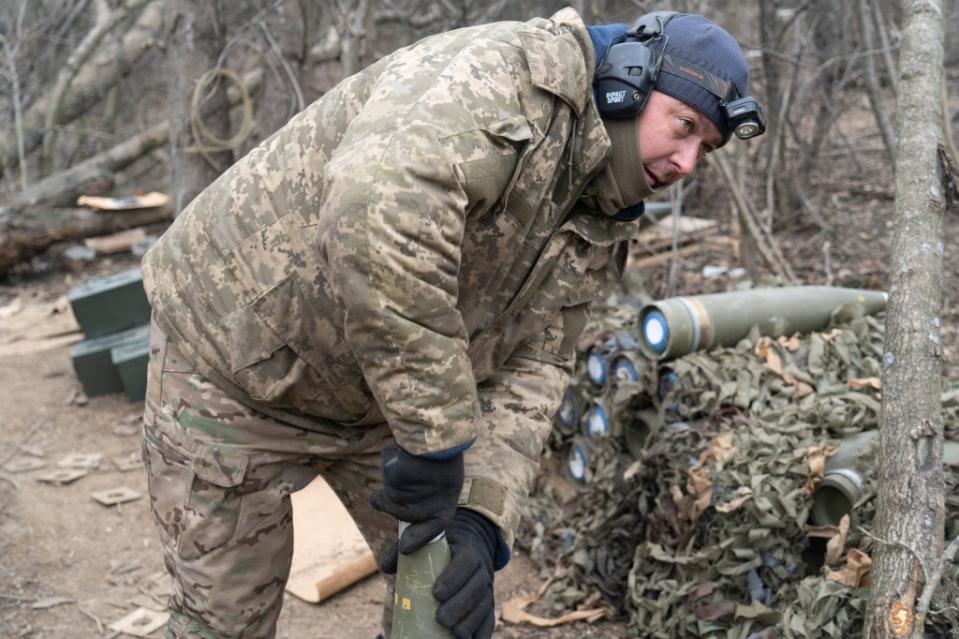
(117, 242)
(329, 553)
(660, 234)
(147, 201)
(32, 327)
(655, 260)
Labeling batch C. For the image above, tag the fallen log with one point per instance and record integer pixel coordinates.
(26, 234)
(63, 188)
(95, 176)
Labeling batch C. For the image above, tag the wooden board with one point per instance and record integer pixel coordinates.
(660, 234)
(117, 242)
(30, 327)
(329, 553)
(147, 201)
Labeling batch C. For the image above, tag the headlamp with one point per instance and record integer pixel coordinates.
(744, 117)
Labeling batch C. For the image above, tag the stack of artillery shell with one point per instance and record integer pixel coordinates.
(696, 509)
(590, 414)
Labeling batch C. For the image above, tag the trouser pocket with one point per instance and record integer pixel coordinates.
(196, 496)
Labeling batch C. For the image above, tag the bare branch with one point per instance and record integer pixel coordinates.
(106, 21)
(764, 241)
(10, 54)
(94, 79)
(872, 85)
(300, 102)
(933, 582)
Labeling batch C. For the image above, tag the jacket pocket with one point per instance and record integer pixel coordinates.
(262, 364)
(286, 352)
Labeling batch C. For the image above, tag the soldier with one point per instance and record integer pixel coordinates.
(387, 293)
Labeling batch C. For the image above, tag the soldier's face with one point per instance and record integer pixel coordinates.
(673, 137)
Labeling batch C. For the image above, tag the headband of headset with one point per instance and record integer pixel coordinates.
(627, 74)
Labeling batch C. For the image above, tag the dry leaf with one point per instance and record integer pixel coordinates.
(816, 456)
(720, 449)
(821, 532)
(633, 469)
(831, 336)
(802, 389)
(837, 543)
(791, 343)
(762, 347)
(866, 382)
(699, 484)
(745, 493)
(514, 612)
(774, 362)
(856, 572)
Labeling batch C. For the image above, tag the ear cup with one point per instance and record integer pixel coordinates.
(628, 71)
(625, 78)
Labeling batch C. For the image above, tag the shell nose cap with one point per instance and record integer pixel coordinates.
(656, 331)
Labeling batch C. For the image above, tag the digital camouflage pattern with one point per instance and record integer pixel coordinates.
(403, 250)
(220, 497)
(705, 530)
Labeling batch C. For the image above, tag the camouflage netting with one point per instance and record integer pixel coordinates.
(692, 517)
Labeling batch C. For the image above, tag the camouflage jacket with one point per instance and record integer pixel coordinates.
(404, 249)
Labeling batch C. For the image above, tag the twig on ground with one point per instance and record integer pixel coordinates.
(7, 478)
(9, 597)
(23, 442)
(96, 619)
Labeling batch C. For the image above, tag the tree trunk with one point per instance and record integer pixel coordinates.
(108, 65)
(23, 236)
(357, 29)
(106, 21)
(910, 502)
(196, 42)
(873, 89)
(782, 204)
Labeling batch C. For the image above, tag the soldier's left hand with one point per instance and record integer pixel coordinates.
(464, 590)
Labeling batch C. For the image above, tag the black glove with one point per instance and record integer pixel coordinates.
(464, 590)
(420, 491)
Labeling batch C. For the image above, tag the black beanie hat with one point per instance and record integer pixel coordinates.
(694, 39)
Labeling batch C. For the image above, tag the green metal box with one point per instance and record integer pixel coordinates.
(130, 360)
(105, 305)
(93, 362)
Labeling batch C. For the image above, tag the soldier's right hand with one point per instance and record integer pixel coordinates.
(420, 491)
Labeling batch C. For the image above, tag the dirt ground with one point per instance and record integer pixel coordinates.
(104, 562)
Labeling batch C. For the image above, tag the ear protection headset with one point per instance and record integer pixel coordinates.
(627, 74)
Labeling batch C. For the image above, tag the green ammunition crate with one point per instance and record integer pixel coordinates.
(93, 363)
(105, 305)
(130, 360)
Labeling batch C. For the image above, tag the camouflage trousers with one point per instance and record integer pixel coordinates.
(220, 476)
